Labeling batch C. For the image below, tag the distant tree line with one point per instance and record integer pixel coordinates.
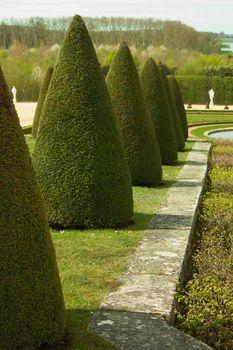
(110, 31)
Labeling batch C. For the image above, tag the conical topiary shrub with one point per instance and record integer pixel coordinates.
(31, 301)
(78, 157)
(157, 102)
(41, 99)
(177, 123)
(134, 121)
(174, 86)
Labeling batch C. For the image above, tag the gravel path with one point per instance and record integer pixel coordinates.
(25, 112)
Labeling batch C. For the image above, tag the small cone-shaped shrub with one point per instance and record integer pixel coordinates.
(174, 86)
(41, 99)
(78, 157)
(31, 301)
(157, 102)
(134, 121)
(177, 123)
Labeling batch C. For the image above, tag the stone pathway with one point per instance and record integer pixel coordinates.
(25, 112)
(199, 107)
(133, 316)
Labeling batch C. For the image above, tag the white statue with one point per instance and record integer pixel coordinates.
(211, 95)
(14, 92)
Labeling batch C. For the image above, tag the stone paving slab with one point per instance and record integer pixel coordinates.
(141, 331)
(163, 257)
(153, 290)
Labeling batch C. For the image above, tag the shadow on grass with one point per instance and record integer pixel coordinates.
(78, 337)
(141, 222)
(190, 162)
(169, 183)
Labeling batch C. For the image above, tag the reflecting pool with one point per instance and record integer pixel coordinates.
(225, 134)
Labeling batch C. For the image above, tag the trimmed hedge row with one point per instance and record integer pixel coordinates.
(158, 105)
(206, 305)
(195, 89)
(134, 121)
(176, 120)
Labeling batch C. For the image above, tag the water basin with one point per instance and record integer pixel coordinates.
(223, 134)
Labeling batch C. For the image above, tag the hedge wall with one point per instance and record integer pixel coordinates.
(195, 89)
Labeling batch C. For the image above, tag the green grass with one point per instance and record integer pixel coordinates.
(200, 131)
(90, 260)
(212, 118)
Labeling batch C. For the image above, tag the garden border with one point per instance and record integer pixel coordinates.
(139, 314)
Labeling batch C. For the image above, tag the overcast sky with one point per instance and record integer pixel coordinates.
(205, 15)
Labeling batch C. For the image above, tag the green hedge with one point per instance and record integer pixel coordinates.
(31, 300)
(40, 103)
(195, 89)
(158, 105)
(78, 157)
(174, 112)
(134, 121)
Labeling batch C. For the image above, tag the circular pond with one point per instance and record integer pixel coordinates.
(223, 134)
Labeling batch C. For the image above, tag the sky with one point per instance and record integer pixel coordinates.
(203, 15)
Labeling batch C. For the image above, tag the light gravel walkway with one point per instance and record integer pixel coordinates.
(133, 316)
(25, 112)
(212, 108)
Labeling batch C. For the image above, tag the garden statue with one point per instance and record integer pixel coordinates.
(211, 95)
(14, 92)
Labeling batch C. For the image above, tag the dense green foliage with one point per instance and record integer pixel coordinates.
(157, 102)
(134, 121)
(41, 99)
(228, 89)
(31, 301)
(25, 66)
(221, 71)
(174, 112)
(79, 159)
(174, 86)
(206, 304)
(195, 89)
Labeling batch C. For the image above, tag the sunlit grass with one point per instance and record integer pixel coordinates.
(200, 132)
(90, 260)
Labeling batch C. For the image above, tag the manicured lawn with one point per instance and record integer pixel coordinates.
(90, 260)
(209, 118)
(202, 129)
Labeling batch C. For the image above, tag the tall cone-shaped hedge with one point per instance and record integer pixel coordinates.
(31, 301)
(78, 157)
(177, 123)
(134, 121)
(179, 104)
(40, 103)
(157, 102)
